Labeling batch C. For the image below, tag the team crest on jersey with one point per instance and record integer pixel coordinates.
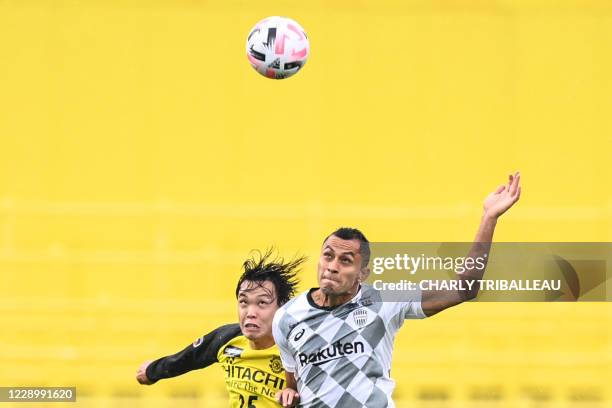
(276, 365)
(360, 317)
(232, 351)
(198, 341)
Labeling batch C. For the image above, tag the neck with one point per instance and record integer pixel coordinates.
(262, 343)
(329, 300)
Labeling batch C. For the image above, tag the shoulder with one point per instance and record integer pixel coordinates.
(219, 336)
(288, 315)
(368, 293)
(405, 304)
(296, 305)
(227, 331)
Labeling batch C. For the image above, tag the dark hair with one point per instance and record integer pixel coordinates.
(347, 233)
(265, 267)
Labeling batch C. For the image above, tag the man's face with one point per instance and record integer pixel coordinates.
(256, 307)
(340, 266)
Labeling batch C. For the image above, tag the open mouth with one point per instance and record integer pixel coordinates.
(251, 326)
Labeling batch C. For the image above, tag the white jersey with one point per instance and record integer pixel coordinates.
(341, 356)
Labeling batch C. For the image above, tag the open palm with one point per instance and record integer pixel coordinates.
(499, 201)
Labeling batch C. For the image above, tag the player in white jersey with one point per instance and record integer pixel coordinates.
(336, 341)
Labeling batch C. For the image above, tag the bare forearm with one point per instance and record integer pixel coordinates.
(496, 203)
(479, 250)
(291, 380)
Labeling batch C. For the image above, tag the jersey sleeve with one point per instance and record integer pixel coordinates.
(411, 305)
(201, 353)
(280, 331)
(408, 307)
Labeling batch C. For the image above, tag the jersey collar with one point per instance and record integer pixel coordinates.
(330, 308)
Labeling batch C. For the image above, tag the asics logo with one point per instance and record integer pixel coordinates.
(299, 335)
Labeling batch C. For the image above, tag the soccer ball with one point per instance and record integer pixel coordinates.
(277, 47)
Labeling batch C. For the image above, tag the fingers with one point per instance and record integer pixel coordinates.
(280, 397)
(500, 189)
(295, 397)
(141, 374)
(514, 185)
(283, 399)
(141, 377)
(288, 398)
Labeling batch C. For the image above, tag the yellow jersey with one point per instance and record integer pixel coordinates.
(252, 377)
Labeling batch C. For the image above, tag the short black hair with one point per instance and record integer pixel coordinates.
(268, 267)
(348, 233)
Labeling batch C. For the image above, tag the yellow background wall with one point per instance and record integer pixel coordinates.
(142, 158)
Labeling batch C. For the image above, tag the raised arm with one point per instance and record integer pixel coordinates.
(496, 203)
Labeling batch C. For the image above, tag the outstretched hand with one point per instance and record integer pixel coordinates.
(499, 201)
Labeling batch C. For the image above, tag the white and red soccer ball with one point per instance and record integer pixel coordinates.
(277, 47)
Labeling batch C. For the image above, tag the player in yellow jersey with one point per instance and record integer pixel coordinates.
(246, 350)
